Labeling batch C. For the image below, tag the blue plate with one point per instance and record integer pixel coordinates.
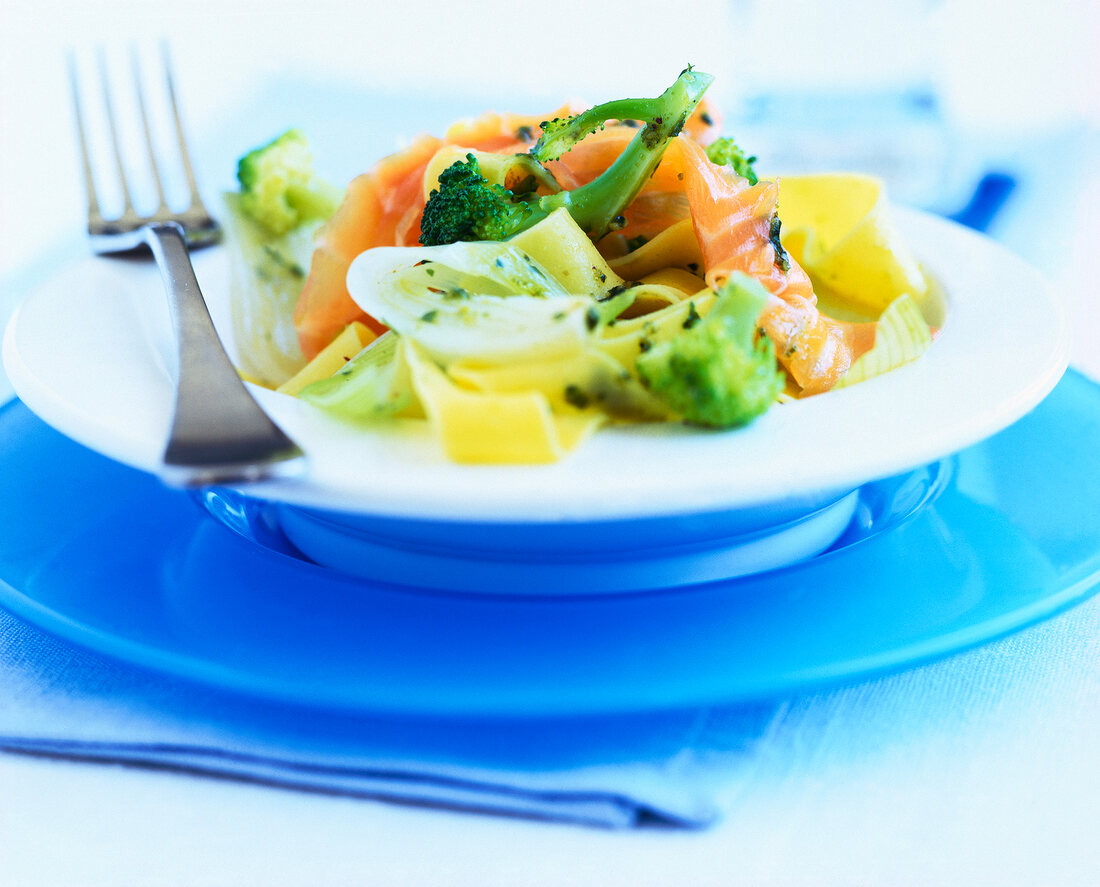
(106, 557)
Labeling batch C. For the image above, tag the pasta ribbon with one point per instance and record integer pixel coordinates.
(493, 427)
(675, 247)
(677, 278)
(661, 289)
(590, 379)
(838, 228)
(332, 358)
(562, 248)
(624, 340)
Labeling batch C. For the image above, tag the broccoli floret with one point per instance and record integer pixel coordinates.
(725, 152)
(717, 372)
(279, 188)
(466, 206)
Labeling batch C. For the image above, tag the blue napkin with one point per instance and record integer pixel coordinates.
(59, 700)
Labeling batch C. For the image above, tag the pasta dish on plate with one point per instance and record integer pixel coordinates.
(524, 280)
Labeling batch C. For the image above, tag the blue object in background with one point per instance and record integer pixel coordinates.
(990, 196)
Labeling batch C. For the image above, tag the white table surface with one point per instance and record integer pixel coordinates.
(980, 769)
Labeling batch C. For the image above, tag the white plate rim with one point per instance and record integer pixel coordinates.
(101, 374)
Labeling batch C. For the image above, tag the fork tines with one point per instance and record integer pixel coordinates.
(199, 227)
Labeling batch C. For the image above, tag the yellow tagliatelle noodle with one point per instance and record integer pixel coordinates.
(494, 427)
(676, 278)
(837, 226)
(559, 245)
(675, 247)
(626, 339)
(355, 337)
(553, 379)
(590, 378)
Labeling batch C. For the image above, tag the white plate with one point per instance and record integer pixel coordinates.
(90, 352)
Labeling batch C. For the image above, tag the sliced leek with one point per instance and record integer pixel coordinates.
(902, 335)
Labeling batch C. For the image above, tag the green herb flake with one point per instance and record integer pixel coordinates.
(282, 262)
(782, 260)
(692, 318)
(576, 396)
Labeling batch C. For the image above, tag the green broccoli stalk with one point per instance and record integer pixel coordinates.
(725, 152)
(279, 188)
(466, 206)
(666, 113)
(718, 372)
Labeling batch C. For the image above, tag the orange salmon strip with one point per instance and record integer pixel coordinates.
(732, 222)
(382, 207)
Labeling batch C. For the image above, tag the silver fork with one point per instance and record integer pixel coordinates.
(219, 434)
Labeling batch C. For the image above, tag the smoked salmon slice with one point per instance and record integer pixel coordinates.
(378, 209)
(382, 207)
(734, 223)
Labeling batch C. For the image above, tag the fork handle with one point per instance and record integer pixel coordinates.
(219, 433)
